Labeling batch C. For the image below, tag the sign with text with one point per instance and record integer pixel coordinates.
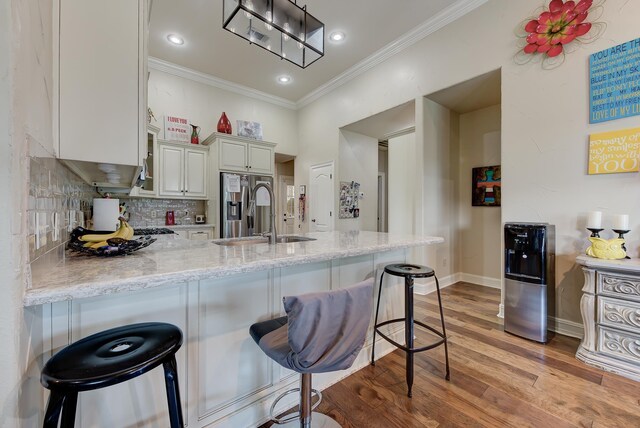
(615, 82)
(613, 152)
(176, 129)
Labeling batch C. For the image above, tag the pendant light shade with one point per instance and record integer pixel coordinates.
(279, 26)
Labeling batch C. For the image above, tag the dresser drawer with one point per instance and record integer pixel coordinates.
(620, 286)
(619, 344)
(619, 314)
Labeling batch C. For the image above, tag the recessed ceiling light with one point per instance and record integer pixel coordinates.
(284, 79)
(337, 36)
(176, 40)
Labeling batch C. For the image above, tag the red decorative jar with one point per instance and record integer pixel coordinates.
(224, 124)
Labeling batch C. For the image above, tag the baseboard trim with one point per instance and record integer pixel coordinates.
(565, 327)
(424, 288)
(501, 311)
(485, 281)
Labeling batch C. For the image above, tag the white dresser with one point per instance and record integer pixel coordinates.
(610, 307)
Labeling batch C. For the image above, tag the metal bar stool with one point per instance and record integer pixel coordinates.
(322, 332)
(409, 272)
(108, 358)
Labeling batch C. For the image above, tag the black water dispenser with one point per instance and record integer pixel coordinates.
(529, 283)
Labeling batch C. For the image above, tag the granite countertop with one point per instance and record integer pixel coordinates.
(170, 261)
(179, 226)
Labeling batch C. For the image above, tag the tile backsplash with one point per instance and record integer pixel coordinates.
(58, 201)
(152, 212)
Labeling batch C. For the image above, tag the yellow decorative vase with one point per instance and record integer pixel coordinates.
(608, 249)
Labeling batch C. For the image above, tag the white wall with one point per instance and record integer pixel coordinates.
(26, 73)
(436, 176)
(402, 179)
(545, 122)
(479, 227)
(203, 104)
(358, 162)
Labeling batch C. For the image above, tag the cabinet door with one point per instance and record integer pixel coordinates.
(99, 77)
(260, 159)
(233, 156)
(195, 174)
(171, 171)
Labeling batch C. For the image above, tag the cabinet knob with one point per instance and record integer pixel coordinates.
(313, 220)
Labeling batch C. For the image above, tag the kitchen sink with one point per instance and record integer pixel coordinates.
(293, 238)
(255, 241)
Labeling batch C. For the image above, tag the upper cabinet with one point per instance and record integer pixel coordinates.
(182, 171)
(101, 88)
(240, 154)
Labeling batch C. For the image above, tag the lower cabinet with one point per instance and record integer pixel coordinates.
(225, 379)
(199, 234)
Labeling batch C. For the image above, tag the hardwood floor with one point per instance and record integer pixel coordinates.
(497, 380)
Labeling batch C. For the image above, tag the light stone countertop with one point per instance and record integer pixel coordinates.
(170, 261)
(631, 265)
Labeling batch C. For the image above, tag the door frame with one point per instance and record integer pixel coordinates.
(382, 202)
(311, 200)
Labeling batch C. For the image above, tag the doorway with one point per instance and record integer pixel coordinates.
(321, 197)
(286, 203)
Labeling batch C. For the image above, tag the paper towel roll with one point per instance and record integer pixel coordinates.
(105, 214)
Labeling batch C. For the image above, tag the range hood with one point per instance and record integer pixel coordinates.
(105, 175)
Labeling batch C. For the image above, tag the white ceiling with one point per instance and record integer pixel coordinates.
(370, 25)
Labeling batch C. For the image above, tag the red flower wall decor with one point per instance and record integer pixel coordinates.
(548, 36)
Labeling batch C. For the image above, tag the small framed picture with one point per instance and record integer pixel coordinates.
(249, 129)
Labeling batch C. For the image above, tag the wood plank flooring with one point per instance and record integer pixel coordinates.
(497, 380)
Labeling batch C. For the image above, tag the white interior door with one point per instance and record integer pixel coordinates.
(321, 197)
(286, 203)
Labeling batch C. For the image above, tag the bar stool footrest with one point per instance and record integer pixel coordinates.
(293, 416)
(414, 349)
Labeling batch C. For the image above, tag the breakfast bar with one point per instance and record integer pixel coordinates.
(213, 292)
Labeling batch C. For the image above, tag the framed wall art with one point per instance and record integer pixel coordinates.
(486, 186)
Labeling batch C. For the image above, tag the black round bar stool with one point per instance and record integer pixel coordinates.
(108, 358)
(409, 272)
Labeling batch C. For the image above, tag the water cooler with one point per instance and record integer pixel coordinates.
(529, 262)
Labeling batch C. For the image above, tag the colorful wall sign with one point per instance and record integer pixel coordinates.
(613, 152)
(615, 82)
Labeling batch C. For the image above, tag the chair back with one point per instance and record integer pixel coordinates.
(327, 330)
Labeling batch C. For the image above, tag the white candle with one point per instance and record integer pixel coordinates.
(594, 221)
(621, 222)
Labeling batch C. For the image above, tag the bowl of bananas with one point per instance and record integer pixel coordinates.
(104, 243)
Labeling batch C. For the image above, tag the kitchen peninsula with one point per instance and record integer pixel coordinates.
(213, 293)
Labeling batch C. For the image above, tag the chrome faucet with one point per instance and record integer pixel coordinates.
(272, 209)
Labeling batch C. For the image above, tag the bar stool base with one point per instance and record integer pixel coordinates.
(318, 420)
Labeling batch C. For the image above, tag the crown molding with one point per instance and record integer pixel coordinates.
(446, 16)
(207, 79)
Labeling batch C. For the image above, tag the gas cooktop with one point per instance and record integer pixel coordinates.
(153, 231)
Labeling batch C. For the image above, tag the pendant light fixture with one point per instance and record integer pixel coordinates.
(279, 26)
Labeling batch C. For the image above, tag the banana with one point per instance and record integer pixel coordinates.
(99, 244)
(95, 237)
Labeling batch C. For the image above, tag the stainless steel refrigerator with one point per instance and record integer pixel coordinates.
(529, 284)
(235, 192)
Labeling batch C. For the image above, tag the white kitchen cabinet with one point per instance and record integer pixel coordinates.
(200, 234)
(149, 187)
(100, 74)
(240, 154)
(182, 171)
(195, 234)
